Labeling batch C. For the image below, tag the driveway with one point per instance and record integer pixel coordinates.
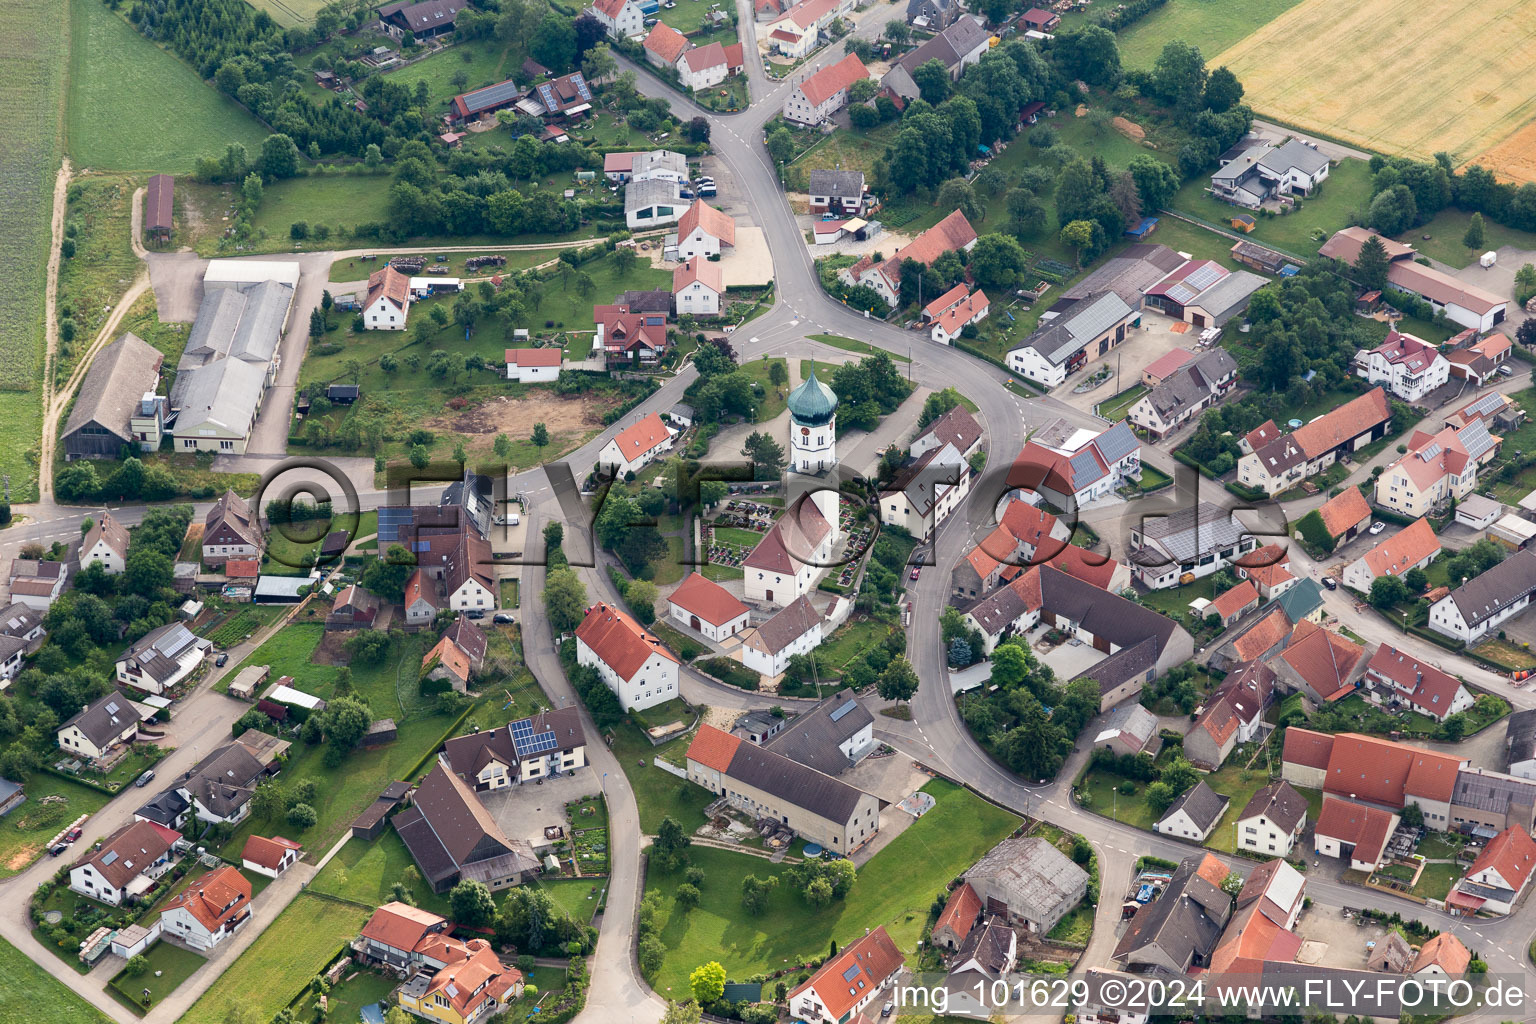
(270, 434)
(1140, 349)
(523, 811)
(177, 278)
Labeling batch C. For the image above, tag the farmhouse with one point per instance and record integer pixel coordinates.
(1396, 677)
(1194, 542)
(1264, 171)
(1194, 814)
(1480, 605)
(957, 47)
(664, 45)
(1028, 882)
(952, 234)
(1276, 465)
(1273, 820)
(1071, 337)
(766, 784)
(101, 727)
(388, 301)
(424, 19)
(698, 287)
(794, 629)
(230, 531)
(105, 544)
(527, 750)
(826, 92)
(37, 584)
(832, 737)
(1409, 367)
(210, 909)
(707, 608)
(1466, 304)
(1413, 547)
(533, 365)
(636, 446)
(850, 982)
(162, 658)
(623, 19)
(452, 837)
(125, 864)
(106, 413)
(634, 663)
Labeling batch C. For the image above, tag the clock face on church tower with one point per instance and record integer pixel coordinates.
(805, 431)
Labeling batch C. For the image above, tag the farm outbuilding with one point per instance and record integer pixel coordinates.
(159, 205)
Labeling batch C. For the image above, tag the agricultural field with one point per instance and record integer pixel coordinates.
(290, 12)
(134, 106)
(31, 143)
(1401, 76)
(31, 994)
(1212, 25)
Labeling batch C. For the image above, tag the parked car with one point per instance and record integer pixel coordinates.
(475, 613)
(221, 661)
(1506, 370)
(74, 834)
(57, 849)
(503, 618)
(887, 1009)
(916, 569)
(145, 779)
(1330, 583)
(1377, 527)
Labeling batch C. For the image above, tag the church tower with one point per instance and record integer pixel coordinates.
(812, 427)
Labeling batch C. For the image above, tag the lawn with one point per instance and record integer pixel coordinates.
(1505, 654)
(365, 872)
(1212, 25)
(1152, 478)
(357, 990)
(169, 966)
(774, 396)
(290, 12)
(24, 831)
(1446, 230)
(1346, 192)
(482, 62)
(134, 106)
(294, 548)
(92, 281)
(1115, 408)
(305, 938)
(1232, 781)
(1076, 927)
(31, 994)
(1174, 601)
(321, 199)
(576, 897)
(1436, 880)
(658, 794)
(854, 345)
(849, 642)
(894, 889)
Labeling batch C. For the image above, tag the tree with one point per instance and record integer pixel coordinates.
(897, 31)
(688, 895)
(755, 892)
(137, 966)
(565, 600)
(1222, 90)
(707, 982)
(862, 90)
(147, 572)
(502, 446)
(1079, 235)
(302, 816)
(898, 682)
(1393, 211)
(1474, 239)
(472, 904)
(698, 130)
(767, 455)
(554, 535)
(267, 799)
(1156, 182)
(1387, 591)
(680, 1013)
(1125, 196)
(932, 80)
(1416, 580)
(1371, 265)
(279, 157)
(670, 848)
(781, 145)
(540, 436)
(997, 262)
(1089, 53)
(1027, 215)
(1179, 76)
(957, 194)
(317, 323)
(599, 63)
(553, 43)
(1160, 797)
(344, 721)
(1525, 334)
(818, 892)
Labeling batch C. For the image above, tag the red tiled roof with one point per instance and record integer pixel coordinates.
(1401, 552)
(716, 223)
(1511, 853)
(1384, 772)
(700, 58)
(1326, 660)
(707, 272)
(1082, 564)
(242, 568)
(220, 895)
(707, 599)
(451, 656)
(713, 748)
(1344, 510)
(639, 438)
(1235, 600)
(1261, 435)
(619, 163)
(960, 911)
(390, 283)
(832, 79)
(418, 587)
(1213, 869)
(1307, 748)
(533, 356)
(960, 314)
(1268, 566)
(610, 7)
(1262, 635)
(1164, 365)
(1348, 421)
(946, 300)
(851, 975)
(400, 925)
(1250, 939)
(620, 641)
(1424, 685)
(472, 978)
(1445, 951)
(666, 42)
(733, 57)
(792, 537)
(268, 853)
(1366, 828)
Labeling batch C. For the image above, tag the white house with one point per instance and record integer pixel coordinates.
(533, 365)
(795, 629)
(704, 231)
(1408, 367)
(1413, 547)
(794, 552)
(231, 531)
(210, 909)
(37, 584)
(952, 234)
(703, 66)
(161, 658)
(708, 608)
(634, 663)
(824, 93)
(106, 543)
(127, 863)
(623, 19)
(102, 725)
(1195, 541)
(632, 448)
(1272, 821)
(1066, 342)
(849, 982)
(697, 287)
(925, 491)
(1194, 814)
(1396, 677)
(1263, 171)
(1484, 602)
(1501, 872)
(952, 317)
(1354, 832)
(270, 857)
(658, 165)
(388, 301)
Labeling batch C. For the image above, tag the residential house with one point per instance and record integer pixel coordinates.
(837, 192)
(625, 334)
(824, 93)
(1233, 714)
(1346, 515)
(1497, 879)
(1259, 640)
(704, 66)
(231, 530)
(800, 29)
(849, 982)
(703, 231)
(1264, 171)
(21, 635)
(794, 552)
(528, 750)
(1025, 536)
(1233, 603)
(1442, 955)
(1194, 814)
(652, 203)
(831, 737)
(952, 234)
(270, 857)
(160, 659)
(1395, 677)
(220, 786)
(636, 446)
(209, 910)
(766, 784)
(988, 954)
(1468, 305)
(933, 15)
(1437, 467)
(794, 629)
(634, 663)
(420, 600)
(126, 864)
(1192, 542)
(1391, 775)
(422, 19)
(707, 608)
(105, 544)
(961, 913)
(1477, 363)
(1130, 730)
(1269, 569)
(957, 47)
(925, 491)
(1483, 603)
(950, 320)
(1272, 821)
(388, 301)
(1412, 547)
(473, 985)
(1493, 408)
(402, 938)
(100, 727)
(1286, 460)
(1028, 882)
(452, 837)
(1320, 663)
(699, 286)
(564, 98)
(623, 19)
(1409, 367)
(102, 421)
(664, 45)
(956, 427)
(1184, 393)
(1072, 336)
(37, 583)
(1353, 832)
(1180, 929)
(533, 365)
(1070, 470)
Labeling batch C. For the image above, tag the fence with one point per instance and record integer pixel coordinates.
(669, 767)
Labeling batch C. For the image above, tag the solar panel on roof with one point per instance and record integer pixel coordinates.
(112, 707)
(581, 88)
(851, 973)
(840, 712)
(110, 858)
(1431, 451)
(1084, 465)
(1205, 277)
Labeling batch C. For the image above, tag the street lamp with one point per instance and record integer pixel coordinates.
(1405, 623)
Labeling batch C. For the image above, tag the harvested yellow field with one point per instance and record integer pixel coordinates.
(1408, 77)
